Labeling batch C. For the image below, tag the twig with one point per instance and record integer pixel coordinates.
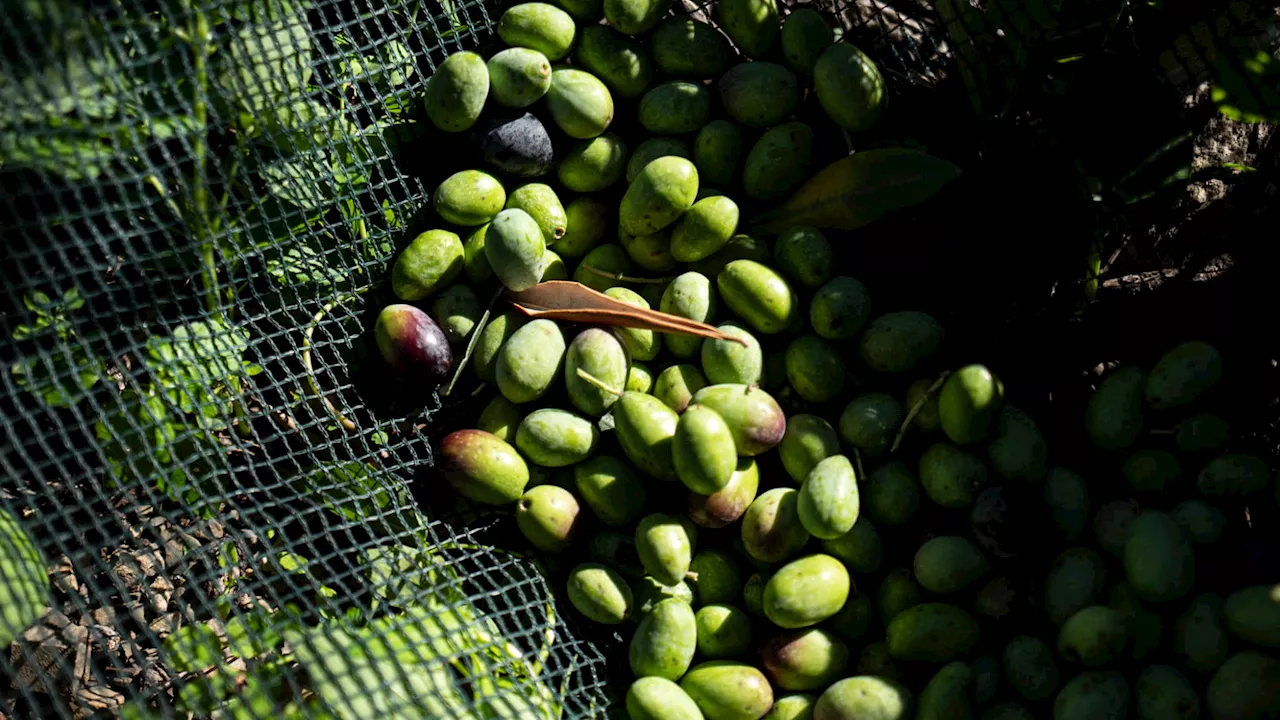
(163, 191)
(231, 174)
(624, 278)
(471, 344)
(568, 675)
(696, 10)
(1111, 26)
(598, 382)
(915, 409)
(313, 385)
(203, 225)
(240, 408)
(857, 460)
(198, 37)
(1154, 278)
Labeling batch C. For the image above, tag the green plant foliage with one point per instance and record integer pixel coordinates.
(406, 664)
(1248, 87)
(138, 438)
(254, 699)
(255, 633)
(68, 371)
(423, 653)
(301, 265)
(266, 61)
(390, 65)
(193, 365)
(159, 430)
(24, 585)
(192, 648)
(401, 576)
(364, 673)
(354, 492)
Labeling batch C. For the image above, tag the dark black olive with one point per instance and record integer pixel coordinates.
(520, 146)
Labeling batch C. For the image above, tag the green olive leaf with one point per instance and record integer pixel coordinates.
(860, 189)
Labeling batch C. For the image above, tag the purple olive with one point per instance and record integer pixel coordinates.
(413, 344)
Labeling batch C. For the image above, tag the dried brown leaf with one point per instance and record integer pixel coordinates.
(568, 301)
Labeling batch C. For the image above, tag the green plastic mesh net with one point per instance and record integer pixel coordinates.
(203, 511)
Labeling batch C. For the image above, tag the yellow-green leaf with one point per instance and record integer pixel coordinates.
(192, 647)
(24, 585)
(860, 189)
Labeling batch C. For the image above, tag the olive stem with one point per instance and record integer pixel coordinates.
(624, 278)
(203, 224)
(313, 385)
(915, 409)
(199, 34)
(597, 382)
(163, 191)
(471, 344)
(473, 547)
(857, 459)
